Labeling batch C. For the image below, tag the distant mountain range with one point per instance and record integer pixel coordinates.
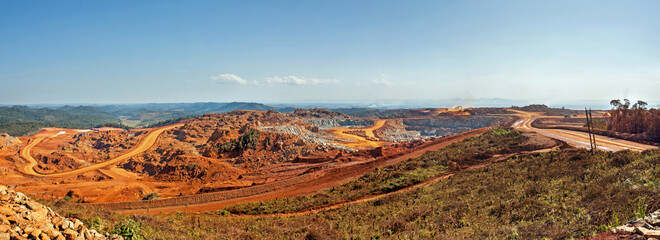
(20, 120)
(189, 108)
(203, 107)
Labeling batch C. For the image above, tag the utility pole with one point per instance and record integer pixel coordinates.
(591, 120)
(592, 137)
(591, 143)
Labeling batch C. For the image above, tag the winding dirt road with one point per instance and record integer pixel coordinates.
(359, 140)
(575, 138)
(143, 145)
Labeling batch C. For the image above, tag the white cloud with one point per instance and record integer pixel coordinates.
(382, 81)
(295, 80)
(230, 79)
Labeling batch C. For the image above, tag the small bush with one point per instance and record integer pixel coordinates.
(640, 209)
(151, 196)
(249, 140)
(94, 223)
(503, 132)
(129, 229)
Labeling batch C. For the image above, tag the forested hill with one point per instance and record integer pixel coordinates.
(184, 108)
(22, 120)
(88, 110)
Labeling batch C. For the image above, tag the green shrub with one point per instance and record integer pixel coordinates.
(614, 223)
(151, 196)
(249, 140)
(129, 229)
(503, 132)
(640, 209)
(94, 223)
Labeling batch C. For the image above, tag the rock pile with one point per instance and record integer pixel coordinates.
(6, 140)
(641, 228)
(22, 218)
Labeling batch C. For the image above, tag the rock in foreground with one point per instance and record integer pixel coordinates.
(646, 228)
(22, 218)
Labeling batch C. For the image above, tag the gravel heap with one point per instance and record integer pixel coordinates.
(22, 218)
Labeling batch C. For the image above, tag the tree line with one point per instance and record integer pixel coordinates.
(23, 120)
(634, 118)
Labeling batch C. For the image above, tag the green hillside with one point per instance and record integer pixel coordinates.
(22, 120)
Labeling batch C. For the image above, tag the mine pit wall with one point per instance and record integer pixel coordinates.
(444, 125)
(331, 123)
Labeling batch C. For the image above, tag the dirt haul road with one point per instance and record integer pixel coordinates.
(360, 141)
(370, 131)
(144, 144)
(575, 138)
(302, 184)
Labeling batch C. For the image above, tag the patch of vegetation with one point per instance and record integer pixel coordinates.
(151, 196)
(598, 123)
(114, 125)
(130, 123)
(170, 121)
(22, 120)
(503, 132)
(635, 118)
(547, 110)
(248, 140)
(94, 223)
(128, 229)
(24, 128)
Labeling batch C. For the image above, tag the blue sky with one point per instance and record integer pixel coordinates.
(327, 51)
